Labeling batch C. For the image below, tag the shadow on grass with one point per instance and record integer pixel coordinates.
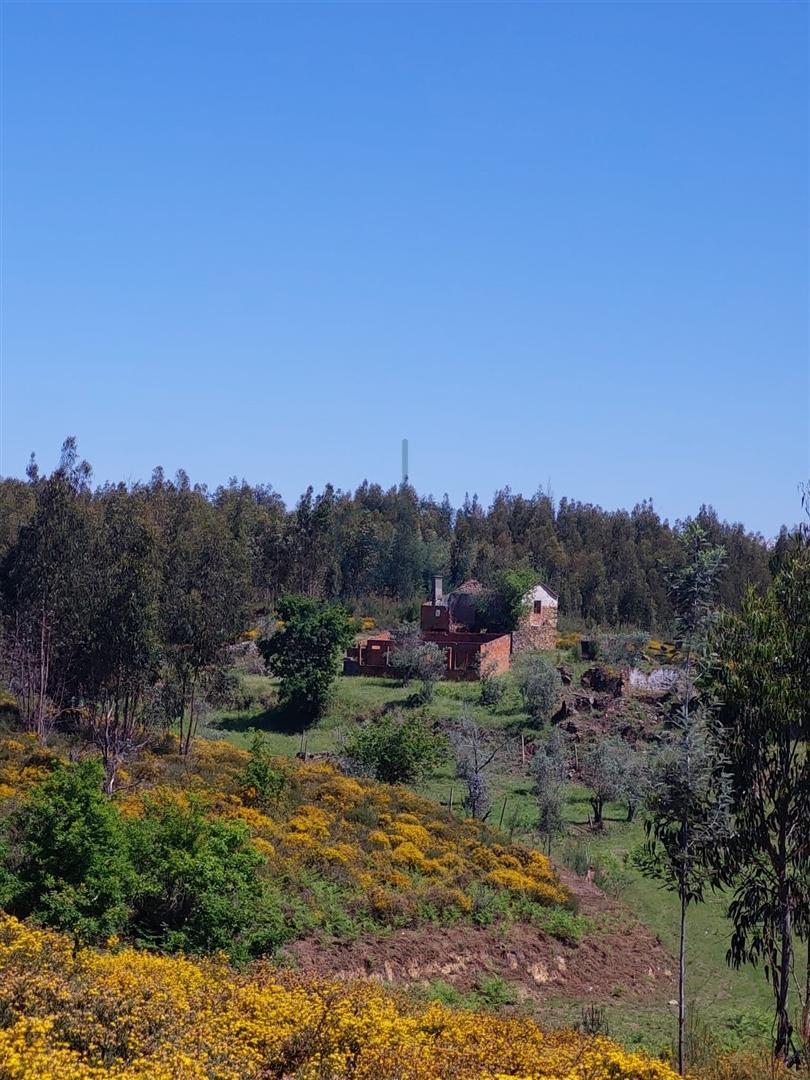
(275, 720)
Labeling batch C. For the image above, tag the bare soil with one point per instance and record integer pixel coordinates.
(617, 958)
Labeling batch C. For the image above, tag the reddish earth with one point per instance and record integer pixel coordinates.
(617, 957)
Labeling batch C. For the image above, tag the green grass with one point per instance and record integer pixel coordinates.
(354, 697)
(490, 992)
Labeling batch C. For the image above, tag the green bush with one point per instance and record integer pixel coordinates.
(261, 782)
(396, 748)
(198, 887)
(492, 690)
(493, 992)
(66, 862)
(539, 684)
(561, 923)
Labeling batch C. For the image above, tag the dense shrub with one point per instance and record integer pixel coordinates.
(66, 856)
(396, 748)
(491, 690)
(198, 887)
(173, 877)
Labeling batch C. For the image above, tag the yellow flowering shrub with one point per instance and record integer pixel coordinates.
(84, 1014)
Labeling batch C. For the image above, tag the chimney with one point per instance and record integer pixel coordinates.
(438, 596)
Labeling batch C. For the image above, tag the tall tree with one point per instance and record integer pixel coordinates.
(760, 671)
(203, 601)
(120, 660)
(687, 821)
(47, 592)
(304, 650)
(687, 809)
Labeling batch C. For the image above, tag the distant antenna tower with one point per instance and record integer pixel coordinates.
(404, 461)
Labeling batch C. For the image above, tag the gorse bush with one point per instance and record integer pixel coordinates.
(128, 1015)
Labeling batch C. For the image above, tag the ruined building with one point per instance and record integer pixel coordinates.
(453, 622)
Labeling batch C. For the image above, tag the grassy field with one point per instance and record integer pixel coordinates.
(734, 1006)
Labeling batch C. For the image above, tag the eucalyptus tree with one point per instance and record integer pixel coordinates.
(46, 578)
(687, 823)
(119, 663)
(203, 601)
(759, 669)
(687, 807)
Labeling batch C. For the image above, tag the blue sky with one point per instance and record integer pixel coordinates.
(562, 243)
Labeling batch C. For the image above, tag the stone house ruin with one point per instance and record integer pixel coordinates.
(452, 623)
(538, 627)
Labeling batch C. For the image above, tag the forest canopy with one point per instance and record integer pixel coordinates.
(377, 549)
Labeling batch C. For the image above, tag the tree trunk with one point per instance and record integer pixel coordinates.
(110, 771)
(806, 1009)
(784, 1028)
(682, 984)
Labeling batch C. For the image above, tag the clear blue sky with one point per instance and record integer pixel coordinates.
(545, 242)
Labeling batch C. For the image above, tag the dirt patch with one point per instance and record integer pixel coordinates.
(618, 958)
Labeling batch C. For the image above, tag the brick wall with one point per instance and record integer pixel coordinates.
(496, 656)
(434, 617)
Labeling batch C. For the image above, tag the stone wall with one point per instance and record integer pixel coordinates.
(536, 631)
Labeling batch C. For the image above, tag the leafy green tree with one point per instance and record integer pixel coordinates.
(413, 658)
(492, 688)
(406, 653)
(120, 660)
(304, 651)
(694, 587)
(601, 769)
(397, 749)
(759, 669)
(431, 665)
(687, 823)
(198, 886)
(506, 604)
(46, 584)
(67, 861)
(475, 752)
(539, 684)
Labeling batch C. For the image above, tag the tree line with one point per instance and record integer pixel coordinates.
(385, 545)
